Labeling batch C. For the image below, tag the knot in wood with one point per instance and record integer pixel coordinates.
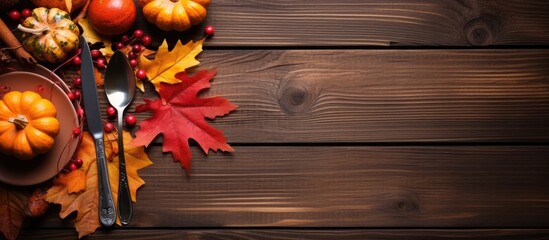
(406, 203)
(296, 97)
(483, 30)
(407, 206)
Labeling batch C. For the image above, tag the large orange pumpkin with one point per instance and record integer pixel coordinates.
(28, 124)
(177, 15)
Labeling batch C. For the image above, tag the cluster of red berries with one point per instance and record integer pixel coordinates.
(97, 56)
(137, 42)
(75, 164)
(19, 16)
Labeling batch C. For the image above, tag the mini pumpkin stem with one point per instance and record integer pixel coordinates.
(20, 121)
(38, 31)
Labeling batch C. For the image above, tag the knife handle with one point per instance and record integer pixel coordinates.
(125, 210)
(107, 214)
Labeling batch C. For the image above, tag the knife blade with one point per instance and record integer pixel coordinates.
(107, 213)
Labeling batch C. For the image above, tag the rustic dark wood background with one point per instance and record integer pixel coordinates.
(360, 119)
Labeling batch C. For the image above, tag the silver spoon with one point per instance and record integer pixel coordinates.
(120, 90)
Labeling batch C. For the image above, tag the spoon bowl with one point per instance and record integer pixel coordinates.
(119, 81)
(120, 89)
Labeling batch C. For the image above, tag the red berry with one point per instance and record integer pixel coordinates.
(78, 162)
(108, 127)
(147, 40)
(101, 63)
(141, 74)
(119, 45)
(130, 120)
(26, 13)
(134, 63)
(125, 39)
(111, 111)
(137, 48)
(132, 55)
(77, 81)
(71, 96)
(138, 33)
(209, 30)
(15, 15)
(76, 131)
(80, 112)
(76, 61)
(73, 166)
(96, 54)
(77, 94)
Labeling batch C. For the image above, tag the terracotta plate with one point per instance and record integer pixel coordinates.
(43, 167)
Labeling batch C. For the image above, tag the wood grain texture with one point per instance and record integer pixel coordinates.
(317, 186)
(312, 96)
(337, 140)
(296, 234)
(247, 23)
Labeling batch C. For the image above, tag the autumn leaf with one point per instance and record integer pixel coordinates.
(136, 159)
(77, 190)
(12, 210)
(166, 63)
(179, 116)
(93, 37)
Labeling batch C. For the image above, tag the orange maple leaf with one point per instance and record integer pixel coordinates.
(77, 190)
(166, 64)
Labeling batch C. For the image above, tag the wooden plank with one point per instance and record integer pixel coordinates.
(318, 186)
(248, 23)
(289, 234)
(294, 96)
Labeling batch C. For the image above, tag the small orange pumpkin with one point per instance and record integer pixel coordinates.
(177, 15)
(28, 124)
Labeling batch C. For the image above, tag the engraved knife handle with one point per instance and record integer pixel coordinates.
(107, 214)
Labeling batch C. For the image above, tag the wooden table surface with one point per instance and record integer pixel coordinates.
(360, 119)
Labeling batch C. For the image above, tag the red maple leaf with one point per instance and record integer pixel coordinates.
(179, 115)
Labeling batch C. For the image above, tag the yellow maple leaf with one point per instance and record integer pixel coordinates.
(93, 37)
(167, 63)
(83, 198)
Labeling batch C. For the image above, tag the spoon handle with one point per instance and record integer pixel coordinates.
(124, 198)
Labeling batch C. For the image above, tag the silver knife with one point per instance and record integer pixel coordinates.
(107, 213)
